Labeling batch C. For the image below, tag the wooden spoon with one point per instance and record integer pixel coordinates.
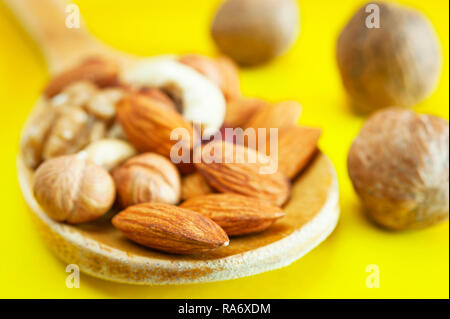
(46, 21)
(100, 250)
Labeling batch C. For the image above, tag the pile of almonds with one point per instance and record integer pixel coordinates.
(102, 139)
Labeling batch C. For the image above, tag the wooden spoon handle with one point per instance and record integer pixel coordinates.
(52, 24)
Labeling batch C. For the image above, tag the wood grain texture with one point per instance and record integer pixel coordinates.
(63, 47)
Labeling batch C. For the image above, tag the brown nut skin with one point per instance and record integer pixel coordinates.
(73, 189)
(159, 95)
(252, 32)
(231, 84)
(148, 177)
(33, 141)
(240, 110)
(194, 185)
(56, 131)
(103, 72)
(148, 124)
(170, 228)
(399, 166)
(398, 64)
(221, 71)
(281, 115)
(68, 133)
(296, 148)
(232, 172)
(237, 215)
(204, 65)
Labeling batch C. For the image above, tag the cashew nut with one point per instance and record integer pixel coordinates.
(109, 152)
(201, 100)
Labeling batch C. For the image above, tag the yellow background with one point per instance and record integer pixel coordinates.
(412, 264)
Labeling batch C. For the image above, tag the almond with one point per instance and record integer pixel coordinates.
(170, 228)
(239, 110)
(194, 185)
(221, 71)
(100, 71)
(231, 86)
(226, 174)
(159, 95)
(296, 146)
(148, 123)
(282, 115)
(236, 214)
(198, 99)
(204, 65)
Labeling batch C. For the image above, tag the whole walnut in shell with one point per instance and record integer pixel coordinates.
(252, 32)
(397, 64)
(399, 166)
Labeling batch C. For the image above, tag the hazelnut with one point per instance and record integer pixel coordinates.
(148, 177)
(399, 166)
(73, 189)
(397, 64)
(252, 32)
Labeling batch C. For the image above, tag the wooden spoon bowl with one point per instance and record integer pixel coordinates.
(101, 251)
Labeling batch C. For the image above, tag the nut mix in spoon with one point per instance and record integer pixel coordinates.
(104, 133)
